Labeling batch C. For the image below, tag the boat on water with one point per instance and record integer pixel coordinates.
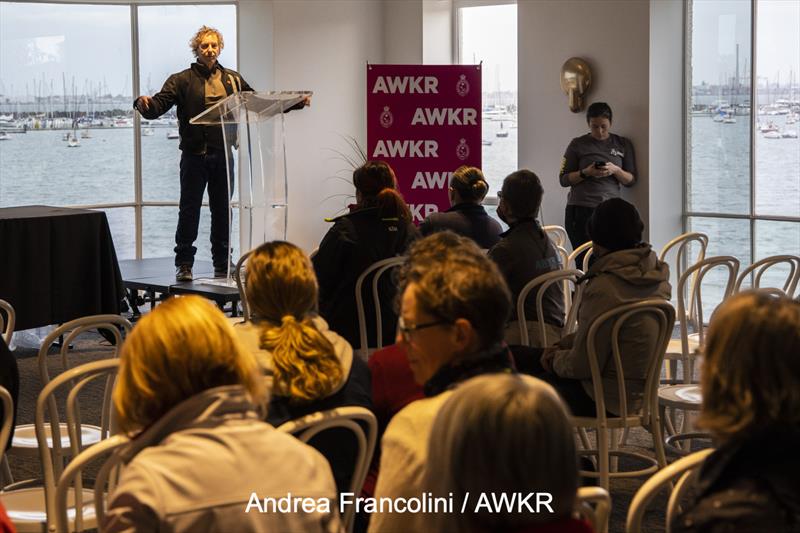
(4, 136)
(772, 134)
(73, 142)
(729, 119)
(502, 133)
(789, 134)
(149, 132)
(486, 143)
(85, 134)
(768, 127)
(173, 134)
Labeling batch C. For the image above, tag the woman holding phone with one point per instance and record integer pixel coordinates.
(593, 167)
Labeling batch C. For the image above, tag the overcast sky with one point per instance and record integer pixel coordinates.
(91, 44)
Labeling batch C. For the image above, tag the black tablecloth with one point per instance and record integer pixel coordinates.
(57, 264)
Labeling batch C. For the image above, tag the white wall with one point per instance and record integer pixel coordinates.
(402, 31)
(437, 32)
(323, 46)
(613, 36)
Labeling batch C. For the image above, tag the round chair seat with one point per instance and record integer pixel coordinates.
(26, 509)
(685, 397)
(25, 436)
(675, 349)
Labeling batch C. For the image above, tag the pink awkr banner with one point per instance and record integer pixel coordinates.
(425, 121)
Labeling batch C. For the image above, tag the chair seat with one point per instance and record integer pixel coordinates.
(25, 436)
(26, 509)
(675, 350)
(686, 397)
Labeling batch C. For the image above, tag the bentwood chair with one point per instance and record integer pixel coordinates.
(569, 278)
(7, 322)
(594, 505)
(586, 250)
(626, 321)
(364, 426)
(239, 278)
(679, 249)
(8, 417)
(557, 234)
(25, 440)
(757, 270)
(685, 470)
(32, 505)
(375, 270)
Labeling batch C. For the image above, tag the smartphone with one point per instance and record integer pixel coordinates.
(599, 164)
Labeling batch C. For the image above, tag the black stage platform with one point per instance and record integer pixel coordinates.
(156, 277)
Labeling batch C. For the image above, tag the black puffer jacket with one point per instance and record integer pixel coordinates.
(186, 89)
(748, 485)
(355, 241)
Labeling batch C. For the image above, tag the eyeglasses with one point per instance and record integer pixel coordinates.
(406, 331)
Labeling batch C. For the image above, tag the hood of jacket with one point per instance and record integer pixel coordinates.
(205, 410)
(250, 335)
(639, 267)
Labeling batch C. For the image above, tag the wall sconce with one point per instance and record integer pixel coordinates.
(576, 78)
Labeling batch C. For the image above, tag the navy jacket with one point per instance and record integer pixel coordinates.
(469, 220)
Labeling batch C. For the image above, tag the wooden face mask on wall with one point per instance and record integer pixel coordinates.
(576, 78)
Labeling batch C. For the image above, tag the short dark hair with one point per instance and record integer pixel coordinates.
(455, 279)
(599, 110)
(522, 192)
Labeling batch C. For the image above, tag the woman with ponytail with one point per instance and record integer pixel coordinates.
(466, 215)
(310, 367)
(377, 227)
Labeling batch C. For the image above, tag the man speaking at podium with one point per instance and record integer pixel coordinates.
(194, 90)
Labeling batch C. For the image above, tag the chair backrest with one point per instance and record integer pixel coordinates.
(594, 504)
(664, 314)
(376, 270)
(75, 379)
(681, 244)
(759, 267)
(695, 275)
(238, 277)
(7, 322)
(71, 478)
(8, 418)
(557, 234)
(354, 419)
(115, 324)
(567, 277)
(684, 469)
(585, 247)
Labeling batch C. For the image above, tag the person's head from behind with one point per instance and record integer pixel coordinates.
(615, 225)
(599, 118)
(751, 372)
(467, 185)
(183, 347)
(282, 295)
(520, 196)
(376, 186)
(454, 303)
(207, 44)
(502, 434)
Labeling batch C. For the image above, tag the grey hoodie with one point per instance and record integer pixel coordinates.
(617, 278)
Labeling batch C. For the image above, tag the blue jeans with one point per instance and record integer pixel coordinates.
(197, 171)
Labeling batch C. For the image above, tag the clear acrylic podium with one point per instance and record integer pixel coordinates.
(253, 131)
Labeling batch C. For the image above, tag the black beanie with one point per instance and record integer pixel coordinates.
(615, 225)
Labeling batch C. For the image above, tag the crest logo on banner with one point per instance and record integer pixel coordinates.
(425, 121)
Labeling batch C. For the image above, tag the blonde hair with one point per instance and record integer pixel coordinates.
(282, 290)
(751, 372)
(501, 433)
(183, 347)
(194, 42)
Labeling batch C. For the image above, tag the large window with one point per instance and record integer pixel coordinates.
(66, 89)
(743, 151)
(487, 34)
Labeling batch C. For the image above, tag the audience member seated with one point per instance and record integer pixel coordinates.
(311, 367)
(466, 215)
(524, 253)
(377, 227)
(626, 271)
(191, 396)
(453, 310)
(503, 434)
(751, 405)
